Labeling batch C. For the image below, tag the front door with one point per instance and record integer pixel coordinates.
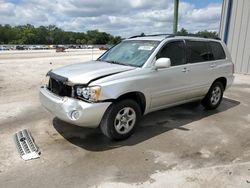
(169, 85)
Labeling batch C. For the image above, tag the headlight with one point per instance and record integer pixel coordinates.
(89, 93)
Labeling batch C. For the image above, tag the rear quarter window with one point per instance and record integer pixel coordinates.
(218, 51)
(198, 51)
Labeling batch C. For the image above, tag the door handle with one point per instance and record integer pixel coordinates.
(213, 65)
(185, 69)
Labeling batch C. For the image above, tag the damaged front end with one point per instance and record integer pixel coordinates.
(70, 96)
(59, 85)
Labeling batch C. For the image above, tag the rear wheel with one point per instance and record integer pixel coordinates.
(214, 96)
(120, 119)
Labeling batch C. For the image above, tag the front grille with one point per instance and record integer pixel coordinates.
(59, 88)
(25, 145)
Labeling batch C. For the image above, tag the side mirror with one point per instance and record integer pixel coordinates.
(162, 63)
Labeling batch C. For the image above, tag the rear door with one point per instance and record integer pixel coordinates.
(219, 65)
(169, 85)
(201, 63)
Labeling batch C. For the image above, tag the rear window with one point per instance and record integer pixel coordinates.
(217, 50)
(198, 51)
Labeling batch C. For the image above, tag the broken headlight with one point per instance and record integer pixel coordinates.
(89, 93)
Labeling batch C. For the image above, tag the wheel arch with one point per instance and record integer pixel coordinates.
(223, 80)
(137, 96)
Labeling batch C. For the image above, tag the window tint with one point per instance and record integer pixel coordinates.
(198, 51)
(218, 51)
(175, 51)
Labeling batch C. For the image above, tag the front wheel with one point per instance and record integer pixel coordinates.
(120, 119)
(214, 96)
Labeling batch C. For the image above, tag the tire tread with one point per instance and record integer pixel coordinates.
(206, 101)
(106, 124)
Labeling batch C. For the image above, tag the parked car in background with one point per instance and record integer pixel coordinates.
(60, 49)
(138, 76)
(103, 48)
(4, 48)
(20, 48)
(90, 46)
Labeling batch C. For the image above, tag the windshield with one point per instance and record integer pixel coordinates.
(131, 53)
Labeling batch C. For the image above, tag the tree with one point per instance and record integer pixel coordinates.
(28, 34)
(83, 41)
(182, 32)
(115, 40)
(207, 34)
(142, 34)
(78, 41)
(90, 41)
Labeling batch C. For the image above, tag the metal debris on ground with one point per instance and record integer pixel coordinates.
(25, 145)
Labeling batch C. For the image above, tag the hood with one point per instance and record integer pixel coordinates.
(84, 73)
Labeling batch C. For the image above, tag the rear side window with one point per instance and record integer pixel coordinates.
(218, 51)
(198, 51)
(175, 51)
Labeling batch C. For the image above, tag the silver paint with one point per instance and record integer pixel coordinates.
(161, 88)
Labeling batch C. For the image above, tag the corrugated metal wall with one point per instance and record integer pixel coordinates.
(239, 34)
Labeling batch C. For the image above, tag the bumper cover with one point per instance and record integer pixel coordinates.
(90, 114)
(230, 80)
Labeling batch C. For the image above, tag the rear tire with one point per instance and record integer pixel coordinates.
(120, 119)
(214, 96)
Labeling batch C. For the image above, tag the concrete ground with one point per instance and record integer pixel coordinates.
(184, 146)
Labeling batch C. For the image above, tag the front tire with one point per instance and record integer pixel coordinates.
(214, 96)
(120, 119)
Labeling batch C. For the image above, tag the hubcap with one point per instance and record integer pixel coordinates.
(125, 120)
(216, 95)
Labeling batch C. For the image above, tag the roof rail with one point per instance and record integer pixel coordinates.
(173, 35)
(194, 35)
(154, 35)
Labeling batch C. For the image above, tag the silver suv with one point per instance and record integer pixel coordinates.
(138, 76)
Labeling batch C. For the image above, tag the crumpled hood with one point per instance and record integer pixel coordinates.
(83, 73)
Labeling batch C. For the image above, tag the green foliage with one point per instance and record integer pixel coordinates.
(205, 33)
(182, 32)
(142, 34)
(28, 34)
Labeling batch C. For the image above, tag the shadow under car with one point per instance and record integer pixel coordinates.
(151, 125)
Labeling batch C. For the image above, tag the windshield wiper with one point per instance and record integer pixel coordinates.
(116, 62)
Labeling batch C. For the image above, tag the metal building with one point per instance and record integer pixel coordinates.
(235, 31)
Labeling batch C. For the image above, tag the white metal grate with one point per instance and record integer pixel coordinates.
(25, 145)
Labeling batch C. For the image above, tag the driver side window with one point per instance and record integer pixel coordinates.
(175, 51)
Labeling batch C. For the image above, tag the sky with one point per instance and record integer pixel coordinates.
(118, 17)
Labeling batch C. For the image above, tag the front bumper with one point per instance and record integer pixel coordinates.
(90, 114)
